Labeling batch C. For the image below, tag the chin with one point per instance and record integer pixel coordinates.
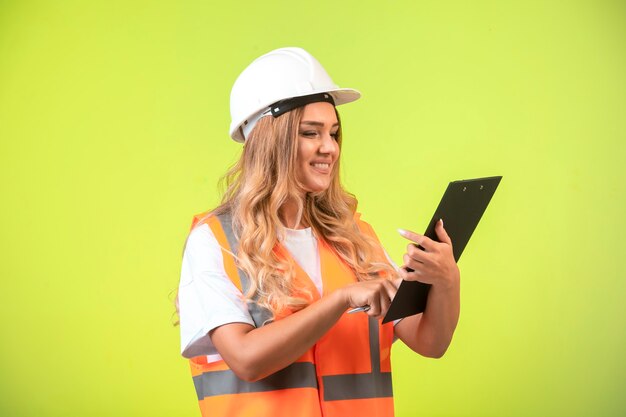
(317, 188)
(315, 184)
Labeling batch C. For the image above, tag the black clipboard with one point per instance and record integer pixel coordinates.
(461, 208)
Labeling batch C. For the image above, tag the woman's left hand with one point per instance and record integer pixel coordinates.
(434, 264)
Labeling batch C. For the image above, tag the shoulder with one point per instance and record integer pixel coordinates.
(363, 226)
(205, 229)
(209, 218)
(202, 248)
(200, 234)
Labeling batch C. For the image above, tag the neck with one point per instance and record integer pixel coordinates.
(289, 215)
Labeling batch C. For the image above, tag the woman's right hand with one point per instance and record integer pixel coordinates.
(254, 353)
(377, 294)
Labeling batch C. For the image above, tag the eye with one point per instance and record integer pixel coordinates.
(335, 135)
(309, 133)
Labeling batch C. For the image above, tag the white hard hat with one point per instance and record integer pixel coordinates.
(277, 76)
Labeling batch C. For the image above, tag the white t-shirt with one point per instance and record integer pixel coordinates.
(207, 297)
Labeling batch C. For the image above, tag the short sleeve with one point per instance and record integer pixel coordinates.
(207, 298)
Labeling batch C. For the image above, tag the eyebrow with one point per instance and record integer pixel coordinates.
(312, 123)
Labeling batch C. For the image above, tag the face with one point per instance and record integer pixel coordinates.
(318, 150)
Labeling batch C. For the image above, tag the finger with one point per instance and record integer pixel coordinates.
(404, 269)
(441, 233)
(390, 289)
(421, 240)
(385, 302)
(373, 313)
(412, 263)
(386, 292)
(403, 272)
(374, 310)
(413, 275)
(415, 252)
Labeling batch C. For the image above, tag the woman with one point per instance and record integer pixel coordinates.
(268, 276)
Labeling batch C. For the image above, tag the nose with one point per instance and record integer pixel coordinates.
(328, 144)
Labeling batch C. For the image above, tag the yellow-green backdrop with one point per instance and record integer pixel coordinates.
(113, 132)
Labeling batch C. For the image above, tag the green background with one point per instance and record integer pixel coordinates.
(113, 133)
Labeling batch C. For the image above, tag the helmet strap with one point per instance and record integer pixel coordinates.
(283, 106)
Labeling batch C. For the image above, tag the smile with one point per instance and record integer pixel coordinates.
(321, 167)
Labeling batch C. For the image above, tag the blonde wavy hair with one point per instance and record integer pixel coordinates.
(255, 189)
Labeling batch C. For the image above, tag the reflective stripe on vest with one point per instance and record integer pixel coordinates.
(259, 315)
(296, 375)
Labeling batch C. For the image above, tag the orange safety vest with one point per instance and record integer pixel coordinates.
(346, 373)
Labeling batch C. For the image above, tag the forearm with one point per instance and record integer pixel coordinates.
(430, 333)
(260, 352)
(439, 320)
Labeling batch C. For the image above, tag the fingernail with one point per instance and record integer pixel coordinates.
(403, 232)
(441, 220)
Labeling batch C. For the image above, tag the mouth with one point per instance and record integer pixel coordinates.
(321, 167)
